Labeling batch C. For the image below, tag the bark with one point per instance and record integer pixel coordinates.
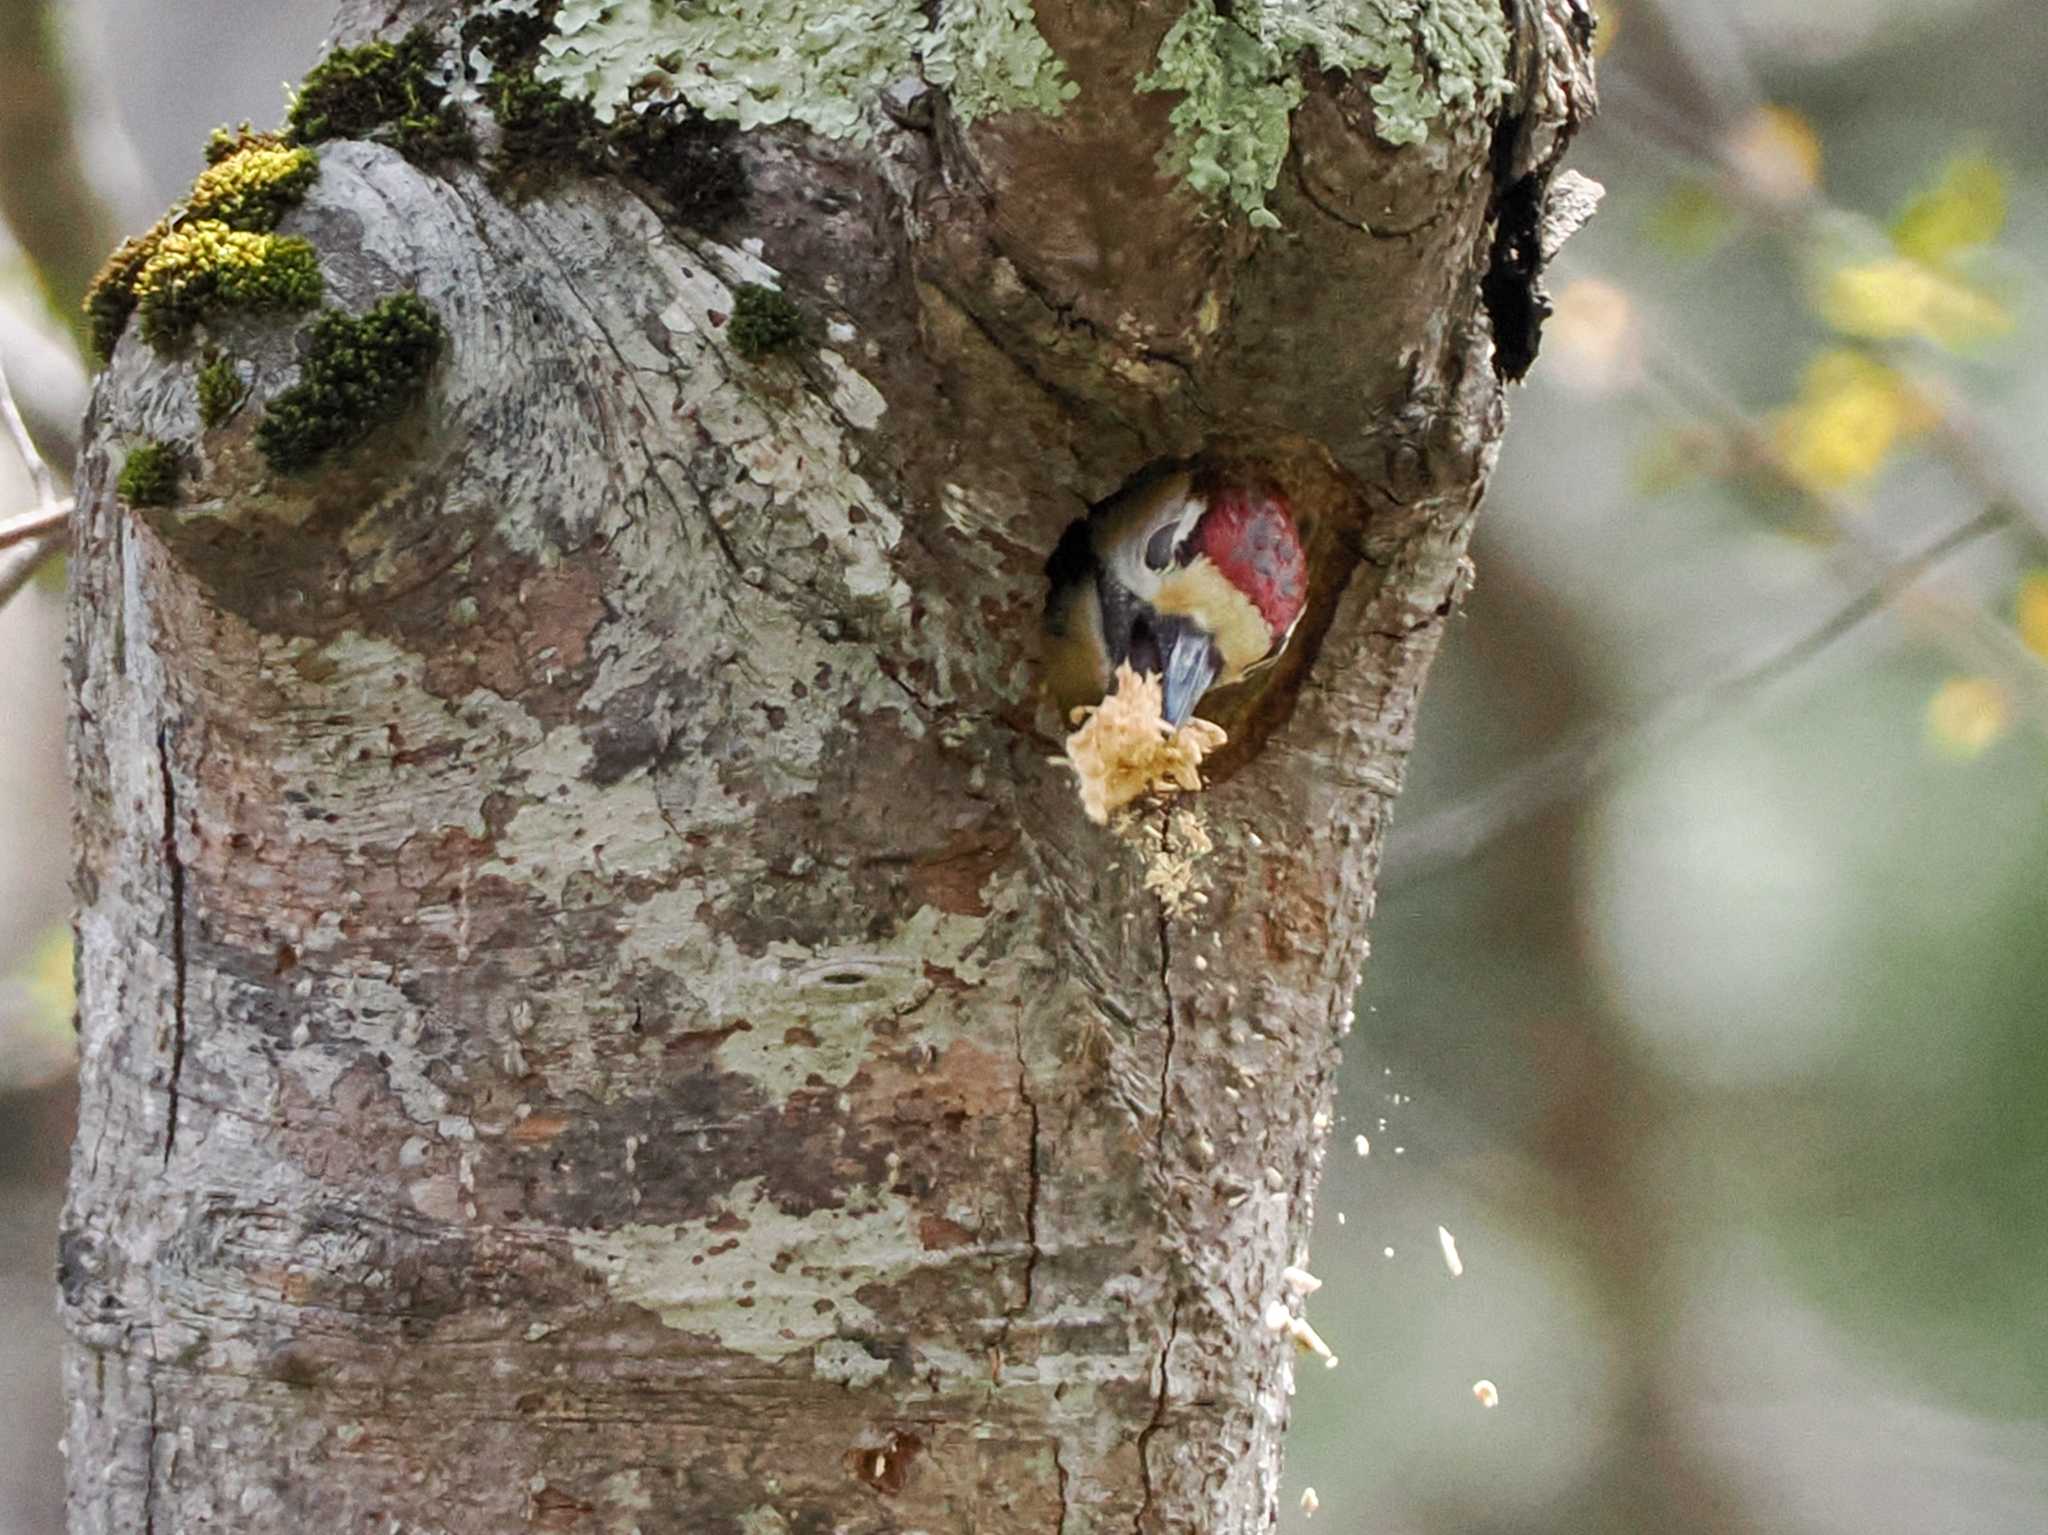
(597, 1012)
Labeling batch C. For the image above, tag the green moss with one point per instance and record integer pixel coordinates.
(225, 141)
(362, 370)
(252, 187)
(508, 38)
(220, 391)
(111, 298)
(690, 160)
(388, 92)
(150, 476)
(542, 127)
(1238, 69)
(687, 158)
(200, 268)
(763, 321)
(214, 249)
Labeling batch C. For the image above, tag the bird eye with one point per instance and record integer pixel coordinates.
(1159, 547)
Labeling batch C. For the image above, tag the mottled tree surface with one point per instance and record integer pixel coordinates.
(598, 1012)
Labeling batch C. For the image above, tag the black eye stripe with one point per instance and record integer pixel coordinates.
(1159, 547)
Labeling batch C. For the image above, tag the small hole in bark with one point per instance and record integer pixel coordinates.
(843, 978)
(887, 1468)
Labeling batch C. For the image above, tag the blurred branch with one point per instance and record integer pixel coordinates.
(41, 481)
(35, 525)
(1579, 762)
(40, 533)
(46, 198)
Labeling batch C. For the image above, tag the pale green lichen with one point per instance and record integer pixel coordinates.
(1240, 80)
(754, 62)
(822, 63)
(989, 56)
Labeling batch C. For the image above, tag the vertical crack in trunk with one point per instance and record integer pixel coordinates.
(149, 1464)
(176, 869)
(1034, 1174)
(1166, 1054)
(1158, 1417)
(1059, 1474)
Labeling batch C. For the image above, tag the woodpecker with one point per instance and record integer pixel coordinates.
(1195, 574)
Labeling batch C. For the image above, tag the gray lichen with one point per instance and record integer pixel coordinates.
(989, 56)
(822, 63)
(1239, 79)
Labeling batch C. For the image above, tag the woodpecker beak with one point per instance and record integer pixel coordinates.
(1191, 665)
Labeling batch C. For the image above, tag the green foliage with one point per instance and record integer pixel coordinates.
(763, 321)
(382, 91)
(362, 371)
(220, 391)
(202, 267)
(150, 476)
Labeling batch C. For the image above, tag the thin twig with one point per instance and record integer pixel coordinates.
(40, 479)
(42, 532)
(18, 567)
(35, 525)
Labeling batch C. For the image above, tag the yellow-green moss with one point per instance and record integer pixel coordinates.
(220, 390)
(763, 321)
(361, 371)
(389, 92)
(111, 298)
(250, 180)
(150, 475)
(251, 188)
(202, 267)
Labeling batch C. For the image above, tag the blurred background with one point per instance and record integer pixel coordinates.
(1708, 1018)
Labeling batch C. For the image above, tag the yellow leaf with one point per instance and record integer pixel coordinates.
(1895, 297)
(1690, 220)
(48, 979)
(1966, 209)
(2032, 612)
(1851, 412)
(1777, 152)
(1967, 715)
(1594, 337)
(1606, 26)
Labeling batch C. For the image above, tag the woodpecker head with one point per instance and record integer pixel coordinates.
(1197, 576)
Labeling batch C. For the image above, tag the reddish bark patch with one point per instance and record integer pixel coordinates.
(941, 1235)
(952, 876)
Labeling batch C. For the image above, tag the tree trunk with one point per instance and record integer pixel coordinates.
(598, 1012)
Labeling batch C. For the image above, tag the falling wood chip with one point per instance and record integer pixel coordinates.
(1487, 1393)
(1449, 1244)
(1124, 748)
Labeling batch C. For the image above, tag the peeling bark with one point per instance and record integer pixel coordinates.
(597, 1012)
